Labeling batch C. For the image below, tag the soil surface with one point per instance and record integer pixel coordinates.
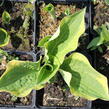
(47, 25)
(101, 13)
(102, 63)
(21, 37)
(6, 98)
(56, 93)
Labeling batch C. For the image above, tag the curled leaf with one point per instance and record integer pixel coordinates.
(4, 37)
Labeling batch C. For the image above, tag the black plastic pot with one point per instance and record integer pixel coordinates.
(33, 55)
(33, 26)
(97, 104)
(33, 95)
(40, 93)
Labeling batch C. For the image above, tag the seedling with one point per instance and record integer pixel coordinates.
(21, 77)
(51, 10)
(6, 18)
(101, 39)
(67, 12)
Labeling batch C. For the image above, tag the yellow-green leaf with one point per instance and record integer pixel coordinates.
(67, 36)
(6, 17)
(20, 77)
(4, 37)
(82, 79)
(43, 41)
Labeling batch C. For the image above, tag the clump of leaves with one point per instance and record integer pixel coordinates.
(6, 18)
(101, 39)
(51, 10)
(27, 11)
(21, 77)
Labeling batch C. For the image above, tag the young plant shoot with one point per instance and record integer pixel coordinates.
(67, 12)
(21, 77)
(6, 18)
(101, 39)
(51, 10)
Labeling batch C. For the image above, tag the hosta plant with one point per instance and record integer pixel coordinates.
(101, 39)
(51, 10)
(83, 80)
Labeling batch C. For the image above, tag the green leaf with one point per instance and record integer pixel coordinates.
(46, 73)
(67, 12)
(50, 8)
(82, 79)
(107, 2)
(104, 33)
(43, 41)
(67, 36)
(4, 37)
(96, 42)
(2, 52)
(6, 17)
(20, 77)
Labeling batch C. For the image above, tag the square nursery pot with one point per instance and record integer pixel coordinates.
(7, 101)
(99, 16)
(44, 28)
(21, 27)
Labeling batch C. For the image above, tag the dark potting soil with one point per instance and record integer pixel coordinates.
(57, 93)
(21, 37)
(6, 98)
(101, 13)
(102, 63)
(54, 94)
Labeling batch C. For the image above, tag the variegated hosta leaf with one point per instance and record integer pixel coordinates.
(66, 37)
(4, 37)
(82, 79)
(20, 77)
